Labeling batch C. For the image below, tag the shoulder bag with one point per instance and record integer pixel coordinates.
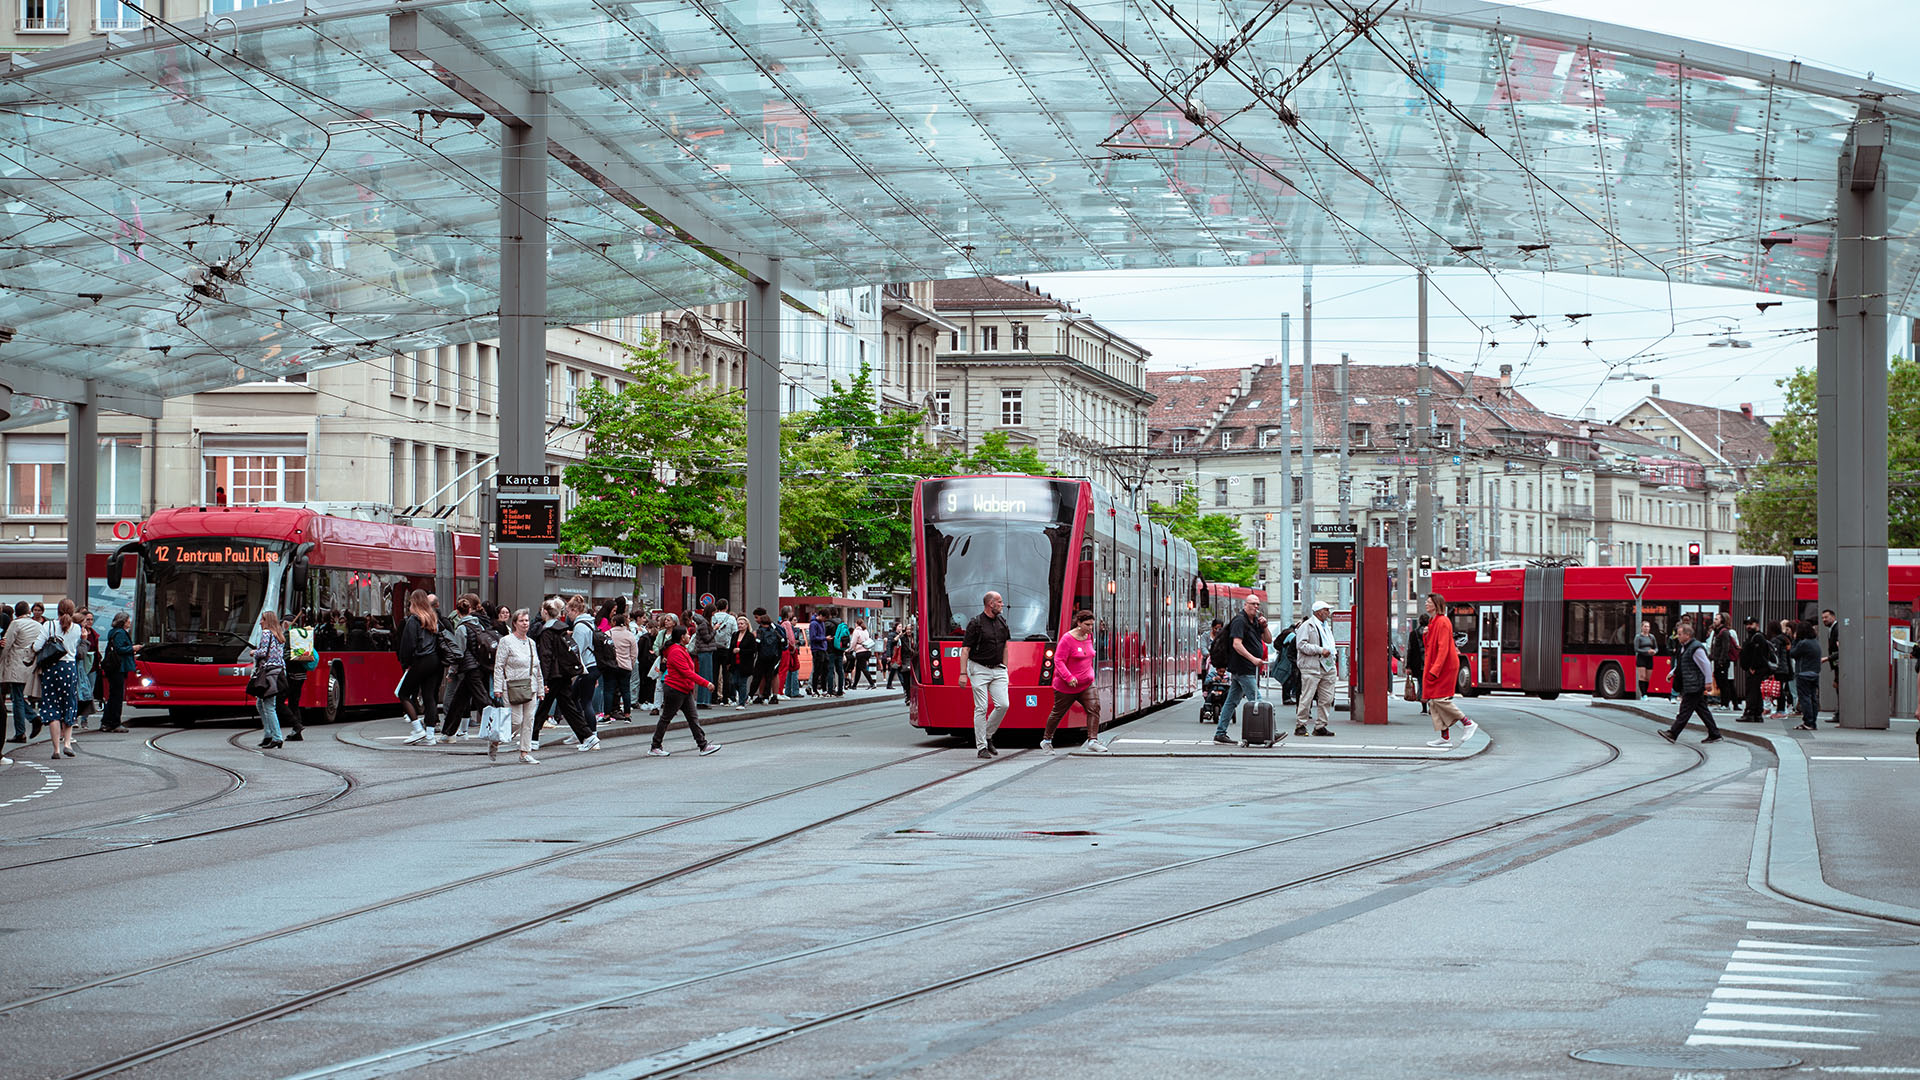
(51, 651)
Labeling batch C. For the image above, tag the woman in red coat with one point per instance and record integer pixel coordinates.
(1441, 675)
(682, 677)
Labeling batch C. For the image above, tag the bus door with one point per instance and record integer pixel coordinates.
(1499, 646)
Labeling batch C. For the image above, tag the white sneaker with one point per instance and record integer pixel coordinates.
(1098, 747)
(710, 748)
(741, 705)
(592, 743)
(1440, 744)
(659, 751)
(1047, 745)
(419, 736)
(529, 759)
(571, 740)
(534, 745)
(432, 739)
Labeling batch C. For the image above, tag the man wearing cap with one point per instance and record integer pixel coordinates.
(1314, 646)
(1756, 661)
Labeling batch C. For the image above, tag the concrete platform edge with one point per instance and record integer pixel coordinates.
(1793, 845)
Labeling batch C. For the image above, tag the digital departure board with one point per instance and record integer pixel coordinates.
(1331, 556)
(1806, 564)
(216, 553)
(528, 519)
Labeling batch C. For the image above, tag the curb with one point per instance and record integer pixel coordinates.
(711, 718)
(1792, 851)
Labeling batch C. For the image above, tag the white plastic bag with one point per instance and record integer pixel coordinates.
(496, 723)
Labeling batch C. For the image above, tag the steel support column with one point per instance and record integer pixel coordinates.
(1423, 513)
(523, 333)
(83, 485)
(1827, 416)
(1307, 596)
(1858, 466)
(763, 441)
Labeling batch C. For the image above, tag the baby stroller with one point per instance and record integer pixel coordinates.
(1214, 695)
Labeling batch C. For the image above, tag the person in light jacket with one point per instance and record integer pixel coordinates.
(515, 658)
(17, 647)
(1315, 645)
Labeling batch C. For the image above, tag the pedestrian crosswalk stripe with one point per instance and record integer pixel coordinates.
(1785, 1044)
(1746, 954)
(1721, 1008)
(1751, 925)
(1778, 995)
(1778, 980)
(1744, 966)
(1797, 945)
(1704, 1024)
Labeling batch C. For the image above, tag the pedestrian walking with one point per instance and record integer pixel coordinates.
(1693, 672)
(1417, 658)
(302, 659)
(57, 663)
(1440, 678)
(1722, 650)
(468, 672)
(518, 682)
(1245, 654)
(419, 652)
(1073, 683)
(269, 679)
(682, 677)
(564, 673)
(906, 655)
(1644, 646)
(1314, 645)
(1806, 674)
(119, 664)
(618, 694)
(860, 651)
(983, 667)
(1756, 663)
(770, 645)
(584, 643)
(17, 647)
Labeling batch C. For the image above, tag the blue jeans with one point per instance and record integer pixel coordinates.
(1808, 687)
(1243, 688)
(836, 672)
(269, 716)
(704, 696)
(22, 712)
(792, 688)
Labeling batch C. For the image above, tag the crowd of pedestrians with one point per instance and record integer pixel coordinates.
(57, 674)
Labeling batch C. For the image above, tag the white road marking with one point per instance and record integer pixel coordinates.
(1912, 759)
(1743, 954)
(1703, 1024)
(1716, 1008)
(1836, 757)
(1778, 995)
(48, 786)
(1786, 1044)
(1797, 945)
(1751, 925)
(1743, 966)
(1775, 980)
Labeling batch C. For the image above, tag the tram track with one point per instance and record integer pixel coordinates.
(297, 1003)
(408, 1056)
(332, 803)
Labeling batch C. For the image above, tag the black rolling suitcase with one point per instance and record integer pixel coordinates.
(1256, 724)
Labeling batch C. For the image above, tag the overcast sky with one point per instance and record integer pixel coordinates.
(1209, 318)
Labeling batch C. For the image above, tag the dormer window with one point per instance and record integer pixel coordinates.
(1357, 434)
(1179, 441)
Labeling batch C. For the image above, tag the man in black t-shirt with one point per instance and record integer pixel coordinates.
(1246, 632)
(983, 665)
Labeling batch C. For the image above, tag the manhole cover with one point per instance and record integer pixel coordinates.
(1684, 1057)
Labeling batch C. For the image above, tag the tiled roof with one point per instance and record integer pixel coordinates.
(1188, 402)
(992, 294)
(1740, 437)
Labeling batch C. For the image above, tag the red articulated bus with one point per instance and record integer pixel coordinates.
(1049, 547)
(205, 574)
(1548, 630)
(1903, 590)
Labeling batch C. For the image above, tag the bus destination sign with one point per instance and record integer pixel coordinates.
(216, 553)
(528, 519)
(1331, 556)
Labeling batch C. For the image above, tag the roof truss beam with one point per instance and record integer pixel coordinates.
(72, 389)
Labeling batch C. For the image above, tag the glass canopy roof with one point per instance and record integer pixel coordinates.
(185, 211)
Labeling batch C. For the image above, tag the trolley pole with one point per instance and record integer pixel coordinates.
(1306, 438)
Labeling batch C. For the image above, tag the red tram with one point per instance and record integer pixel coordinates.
(1049, 547)
(205, 574)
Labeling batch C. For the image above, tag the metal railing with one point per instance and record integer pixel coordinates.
(113, 24)
(1576, 511)
(43, 24)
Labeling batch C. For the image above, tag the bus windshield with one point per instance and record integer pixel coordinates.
(1006, 534)
(201, 598)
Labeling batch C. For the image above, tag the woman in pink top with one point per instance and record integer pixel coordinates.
(1073, 681)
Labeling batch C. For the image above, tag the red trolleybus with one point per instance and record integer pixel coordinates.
(1544, 630)
(1049, 547)
(205, 574)
(1903, 590)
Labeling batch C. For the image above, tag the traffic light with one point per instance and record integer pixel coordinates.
(1693, 554)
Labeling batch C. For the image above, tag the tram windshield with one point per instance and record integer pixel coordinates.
(201, 599)
(1007, 534)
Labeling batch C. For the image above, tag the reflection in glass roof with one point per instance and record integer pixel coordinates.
(182, 214)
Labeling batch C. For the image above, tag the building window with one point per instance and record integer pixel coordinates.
(36, 475)
(1299, 489)
(246, 470)
(1012, 413)
(1179, 441)
(1463, 491)
(42, 15)
(117, 477)
(989, 338)
(1226, 440)
(1259, 491)
(958, 341)
(1357, 434)
(943, 408)
(112, 15)
(1020, 337)
(1441, 437)
(1220, 492)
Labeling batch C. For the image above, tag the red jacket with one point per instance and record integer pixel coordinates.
(1443, 660)
(682, 673)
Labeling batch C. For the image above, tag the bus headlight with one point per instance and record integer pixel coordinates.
(146, 683)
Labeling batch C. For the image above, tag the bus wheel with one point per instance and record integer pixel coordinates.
(1549, 695)
(1610, 683)
(336, 705)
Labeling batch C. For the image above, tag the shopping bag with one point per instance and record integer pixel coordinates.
(496, 723)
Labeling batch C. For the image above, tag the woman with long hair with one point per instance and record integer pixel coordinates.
(419, 652)
(681, 676)
(60, 679)
(270, 662)
(517, 683)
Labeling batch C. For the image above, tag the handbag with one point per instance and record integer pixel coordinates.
(1411, 691)
(51, 651)
(496, 723)
(519, 691)
(266, 684)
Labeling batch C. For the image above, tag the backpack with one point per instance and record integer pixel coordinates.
(1220, 653)
(300, 644)
(557, 658)
(772, 642)
(604, 654)
(841, 633)
(483, 644)
(451, 651)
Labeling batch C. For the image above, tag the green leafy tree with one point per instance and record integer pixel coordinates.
(995, 454)
(873, 457)
(1781, 502)
(1224, 553)
(660, 466)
